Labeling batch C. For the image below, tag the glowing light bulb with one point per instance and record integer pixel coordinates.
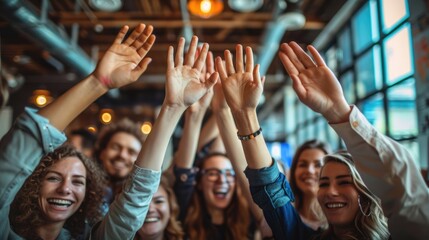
(205, 6)
(146, 128)
(106, 117)
(41, 100)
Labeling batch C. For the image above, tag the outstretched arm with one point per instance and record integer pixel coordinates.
(183, 88)
(122, 64)
(185, 155)
(234, 150)
(242, 87)
(385, 166)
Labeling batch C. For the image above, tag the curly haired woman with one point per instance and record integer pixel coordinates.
(52, 193)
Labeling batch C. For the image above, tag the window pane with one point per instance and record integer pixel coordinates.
(373, 110)
(398, 54)
(321, 130)
(365, 26)
(413, 147)
(333, 139)
(344, 49)
(302, 113)
(368, 70)
(402, 110)
(310, 114)
(331, 59)
(298, 115)
(348, 87)
(302, 134)
(393, 12)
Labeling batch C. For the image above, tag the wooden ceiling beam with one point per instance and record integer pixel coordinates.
(169, 23)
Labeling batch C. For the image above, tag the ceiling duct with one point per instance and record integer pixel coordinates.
(287, 16)
(23, 16)
(245, 5)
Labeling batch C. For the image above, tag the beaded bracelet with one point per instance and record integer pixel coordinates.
(250, 136)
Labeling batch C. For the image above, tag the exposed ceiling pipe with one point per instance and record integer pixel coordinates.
(328, 33)
(292, 19)
(23, 16)
(187, 26)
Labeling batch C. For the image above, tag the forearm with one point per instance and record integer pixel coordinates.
(271, 192)
(234, 150)
(128, 211)
(185, 155)
(155, 146)
(386, 166)
(208, 132)
(255, 150)
(69, 105)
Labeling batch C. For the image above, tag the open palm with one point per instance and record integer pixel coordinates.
(184, 84)
(126, 60)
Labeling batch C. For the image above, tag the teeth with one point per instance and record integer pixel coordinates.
(221, 192)
(60, 201)
(335, 205)
(151, 219)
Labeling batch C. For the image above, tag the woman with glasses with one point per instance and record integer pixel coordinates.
(211, 203)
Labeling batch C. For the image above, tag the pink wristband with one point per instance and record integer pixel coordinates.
(105, 81)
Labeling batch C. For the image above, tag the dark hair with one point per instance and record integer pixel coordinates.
(26, 216)
(125, 125)
(311, 144)
(237, 214)
(88, 137)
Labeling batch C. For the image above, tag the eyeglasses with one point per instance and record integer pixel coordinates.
(213, 174)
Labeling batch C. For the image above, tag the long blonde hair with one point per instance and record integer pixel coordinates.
(370, 222)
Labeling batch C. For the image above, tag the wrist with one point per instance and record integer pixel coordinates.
(246, 121)
(338, 114)
(101, 82)
(97, 85)
(195, 115)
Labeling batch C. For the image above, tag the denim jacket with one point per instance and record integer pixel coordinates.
(29, 139)
(272, 193)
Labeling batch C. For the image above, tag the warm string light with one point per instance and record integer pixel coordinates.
(106, 116)
(146, 128)
(205, 8)
(41, 98)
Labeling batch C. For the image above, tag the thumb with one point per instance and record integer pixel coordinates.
(213, 79)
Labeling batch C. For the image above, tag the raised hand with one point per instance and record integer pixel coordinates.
(242, 85)
(204, 102)
(125, 61)
(184, 85)
(314, 83)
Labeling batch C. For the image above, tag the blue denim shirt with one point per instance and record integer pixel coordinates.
(272, 193)
(29, 139)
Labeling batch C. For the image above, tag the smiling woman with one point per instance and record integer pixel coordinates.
(161, 220)
(55, 193)
(350, 207)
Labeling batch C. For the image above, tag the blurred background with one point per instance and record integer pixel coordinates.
(379, 49)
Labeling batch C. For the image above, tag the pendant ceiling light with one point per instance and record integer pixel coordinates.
(205, 8)
(245, 5)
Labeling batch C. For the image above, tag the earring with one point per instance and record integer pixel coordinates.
(361, 210)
